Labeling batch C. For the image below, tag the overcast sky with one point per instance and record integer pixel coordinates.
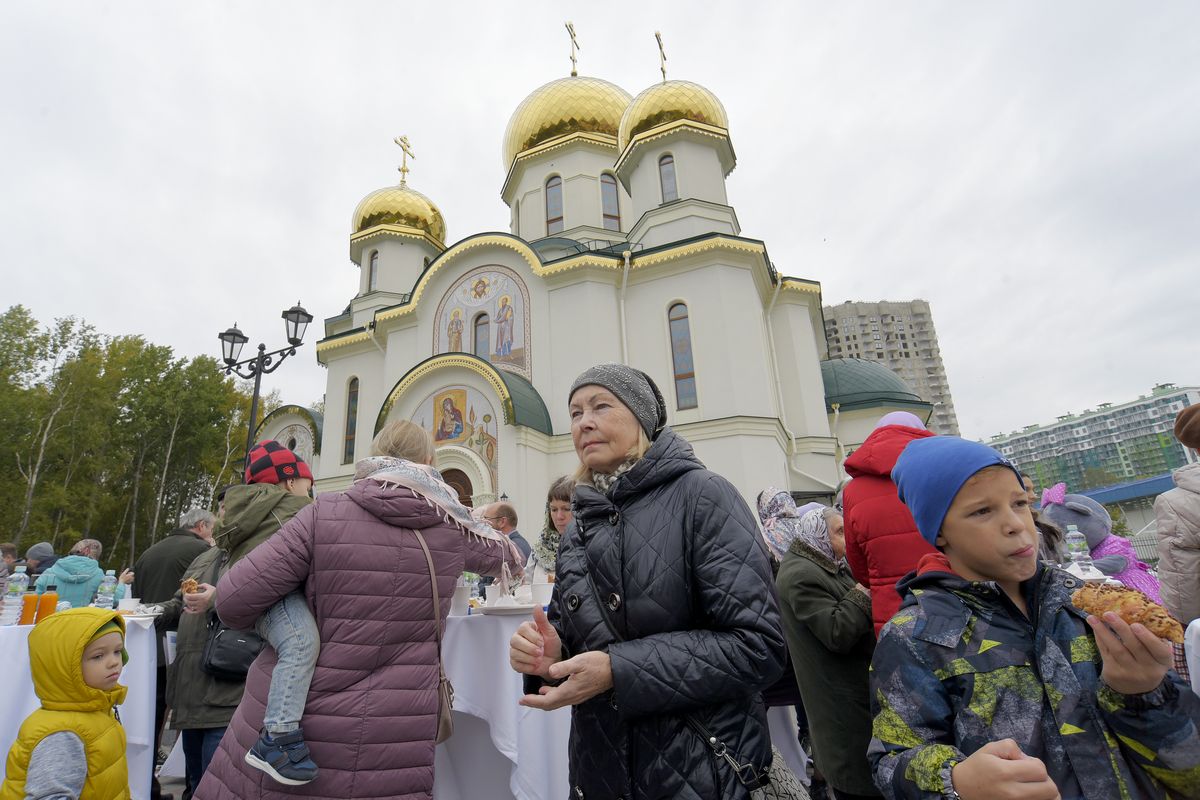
(1031, 169)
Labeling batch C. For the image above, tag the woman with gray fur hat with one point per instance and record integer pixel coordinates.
(664, 626)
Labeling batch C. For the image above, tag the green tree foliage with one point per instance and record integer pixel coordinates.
(109, 438)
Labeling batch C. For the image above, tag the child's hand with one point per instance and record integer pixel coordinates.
(1000, 771)
(1135, 660)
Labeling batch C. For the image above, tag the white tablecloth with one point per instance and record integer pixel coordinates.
(18, 701)
(494, 736)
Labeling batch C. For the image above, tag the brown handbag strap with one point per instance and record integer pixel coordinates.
(437, 603)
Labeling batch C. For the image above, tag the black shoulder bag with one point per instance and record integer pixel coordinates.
(228, 653)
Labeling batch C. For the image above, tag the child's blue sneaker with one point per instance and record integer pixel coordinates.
(284, 757)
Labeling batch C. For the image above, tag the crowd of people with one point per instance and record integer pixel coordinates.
(920, 624)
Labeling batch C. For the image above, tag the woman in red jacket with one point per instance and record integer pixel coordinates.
(882, 541)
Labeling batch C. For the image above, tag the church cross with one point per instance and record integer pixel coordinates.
(574, 46)
(662, 56)
(407, 153)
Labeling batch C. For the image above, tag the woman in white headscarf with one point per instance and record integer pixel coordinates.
(827, 621)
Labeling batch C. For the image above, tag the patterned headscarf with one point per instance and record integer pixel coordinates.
(780, 518)
(814, 532)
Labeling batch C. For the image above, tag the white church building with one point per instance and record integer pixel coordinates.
(622, 246)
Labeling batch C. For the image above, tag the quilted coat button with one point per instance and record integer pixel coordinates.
(614, 518)
(614, 601)
(573, 605)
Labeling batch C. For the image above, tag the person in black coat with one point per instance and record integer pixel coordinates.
(664, 626)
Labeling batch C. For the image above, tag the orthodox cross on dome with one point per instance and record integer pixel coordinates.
(662, 55)
(574, 46)
(406, 150)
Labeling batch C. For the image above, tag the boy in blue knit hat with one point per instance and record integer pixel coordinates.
(989, 683)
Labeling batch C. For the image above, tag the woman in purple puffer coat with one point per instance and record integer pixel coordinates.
(371, 715)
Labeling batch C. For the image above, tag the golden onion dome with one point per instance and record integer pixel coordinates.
(400, 205)
(567, 105)
(669, 101)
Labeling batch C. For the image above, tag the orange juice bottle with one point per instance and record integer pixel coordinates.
(47, 603)
(29, 603)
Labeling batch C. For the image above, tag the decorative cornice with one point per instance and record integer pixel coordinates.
(404, 231)
(342, 341)
(450, 360)
(801, 285)
(518, 246)
(703, 246)
(606, 140)
(660, 131)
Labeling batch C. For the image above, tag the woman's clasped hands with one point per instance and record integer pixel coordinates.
(535, 649)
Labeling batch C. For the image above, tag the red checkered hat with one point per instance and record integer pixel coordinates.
(271, 462)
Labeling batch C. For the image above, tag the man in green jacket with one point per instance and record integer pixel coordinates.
(156, 578)
(202, 705)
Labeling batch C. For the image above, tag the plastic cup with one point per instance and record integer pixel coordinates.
(542, 592)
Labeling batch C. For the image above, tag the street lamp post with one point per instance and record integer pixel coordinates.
(296, 320)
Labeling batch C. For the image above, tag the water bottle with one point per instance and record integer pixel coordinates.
(1077, 547)
(106, 594)
(18, 582)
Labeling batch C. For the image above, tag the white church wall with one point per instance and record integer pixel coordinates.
(582, 329)
(698, 173)
(580, 166)
(799, 366)
(750, 458)
(724, 316)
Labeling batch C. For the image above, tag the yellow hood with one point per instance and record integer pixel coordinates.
(56, 647)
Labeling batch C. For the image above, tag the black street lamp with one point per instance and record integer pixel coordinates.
(296, 320)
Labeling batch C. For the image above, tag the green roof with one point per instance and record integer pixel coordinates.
(528, 407)
(859, 383)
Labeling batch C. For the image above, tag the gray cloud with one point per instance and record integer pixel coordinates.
(1028, 169)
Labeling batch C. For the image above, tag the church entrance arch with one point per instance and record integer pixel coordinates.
(470, 476)
(459, 481)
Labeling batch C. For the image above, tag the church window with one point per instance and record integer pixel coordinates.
(666, 174)
(351, 421)
(681, 357)
(373, 272)
(612, 207)
(482, 336)
(554, 205)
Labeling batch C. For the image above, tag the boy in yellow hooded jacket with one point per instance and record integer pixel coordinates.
(73, 746)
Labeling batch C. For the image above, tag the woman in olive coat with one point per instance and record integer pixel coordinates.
(827, 621)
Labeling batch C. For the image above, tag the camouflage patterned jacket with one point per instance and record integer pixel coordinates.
(959, 666)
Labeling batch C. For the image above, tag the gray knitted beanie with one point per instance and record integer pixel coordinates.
(633, 388)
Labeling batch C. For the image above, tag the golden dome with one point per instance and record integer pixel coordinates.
(667, 102)
(400, 205)
(567, 105)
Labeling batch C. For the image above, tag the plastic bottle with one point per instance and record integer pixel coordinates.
(106, 594)
(14, 595)
(47, 602)
(29, 604)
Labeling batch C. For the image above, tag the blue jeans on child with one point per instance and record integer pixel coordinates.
(289, 627)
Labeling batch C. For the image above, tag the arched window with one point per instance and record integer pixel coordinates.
(609, 201)
(351, 421)
(554, 206)
(666, 175)
(482, 336)
(373, 272)
(681, 357)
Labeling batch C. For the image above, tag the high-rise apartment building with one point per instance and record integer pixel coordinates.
(1106, 445)
(900, 336)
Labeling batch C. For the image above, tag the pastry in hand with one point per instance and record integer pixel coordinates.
(189, 586)
(1131, 606)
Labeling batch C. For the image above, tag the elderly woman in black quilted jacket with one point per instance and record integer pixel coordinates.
(664, 626)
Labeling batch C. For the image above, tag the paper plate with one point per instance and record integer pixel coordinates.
(507, 610)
